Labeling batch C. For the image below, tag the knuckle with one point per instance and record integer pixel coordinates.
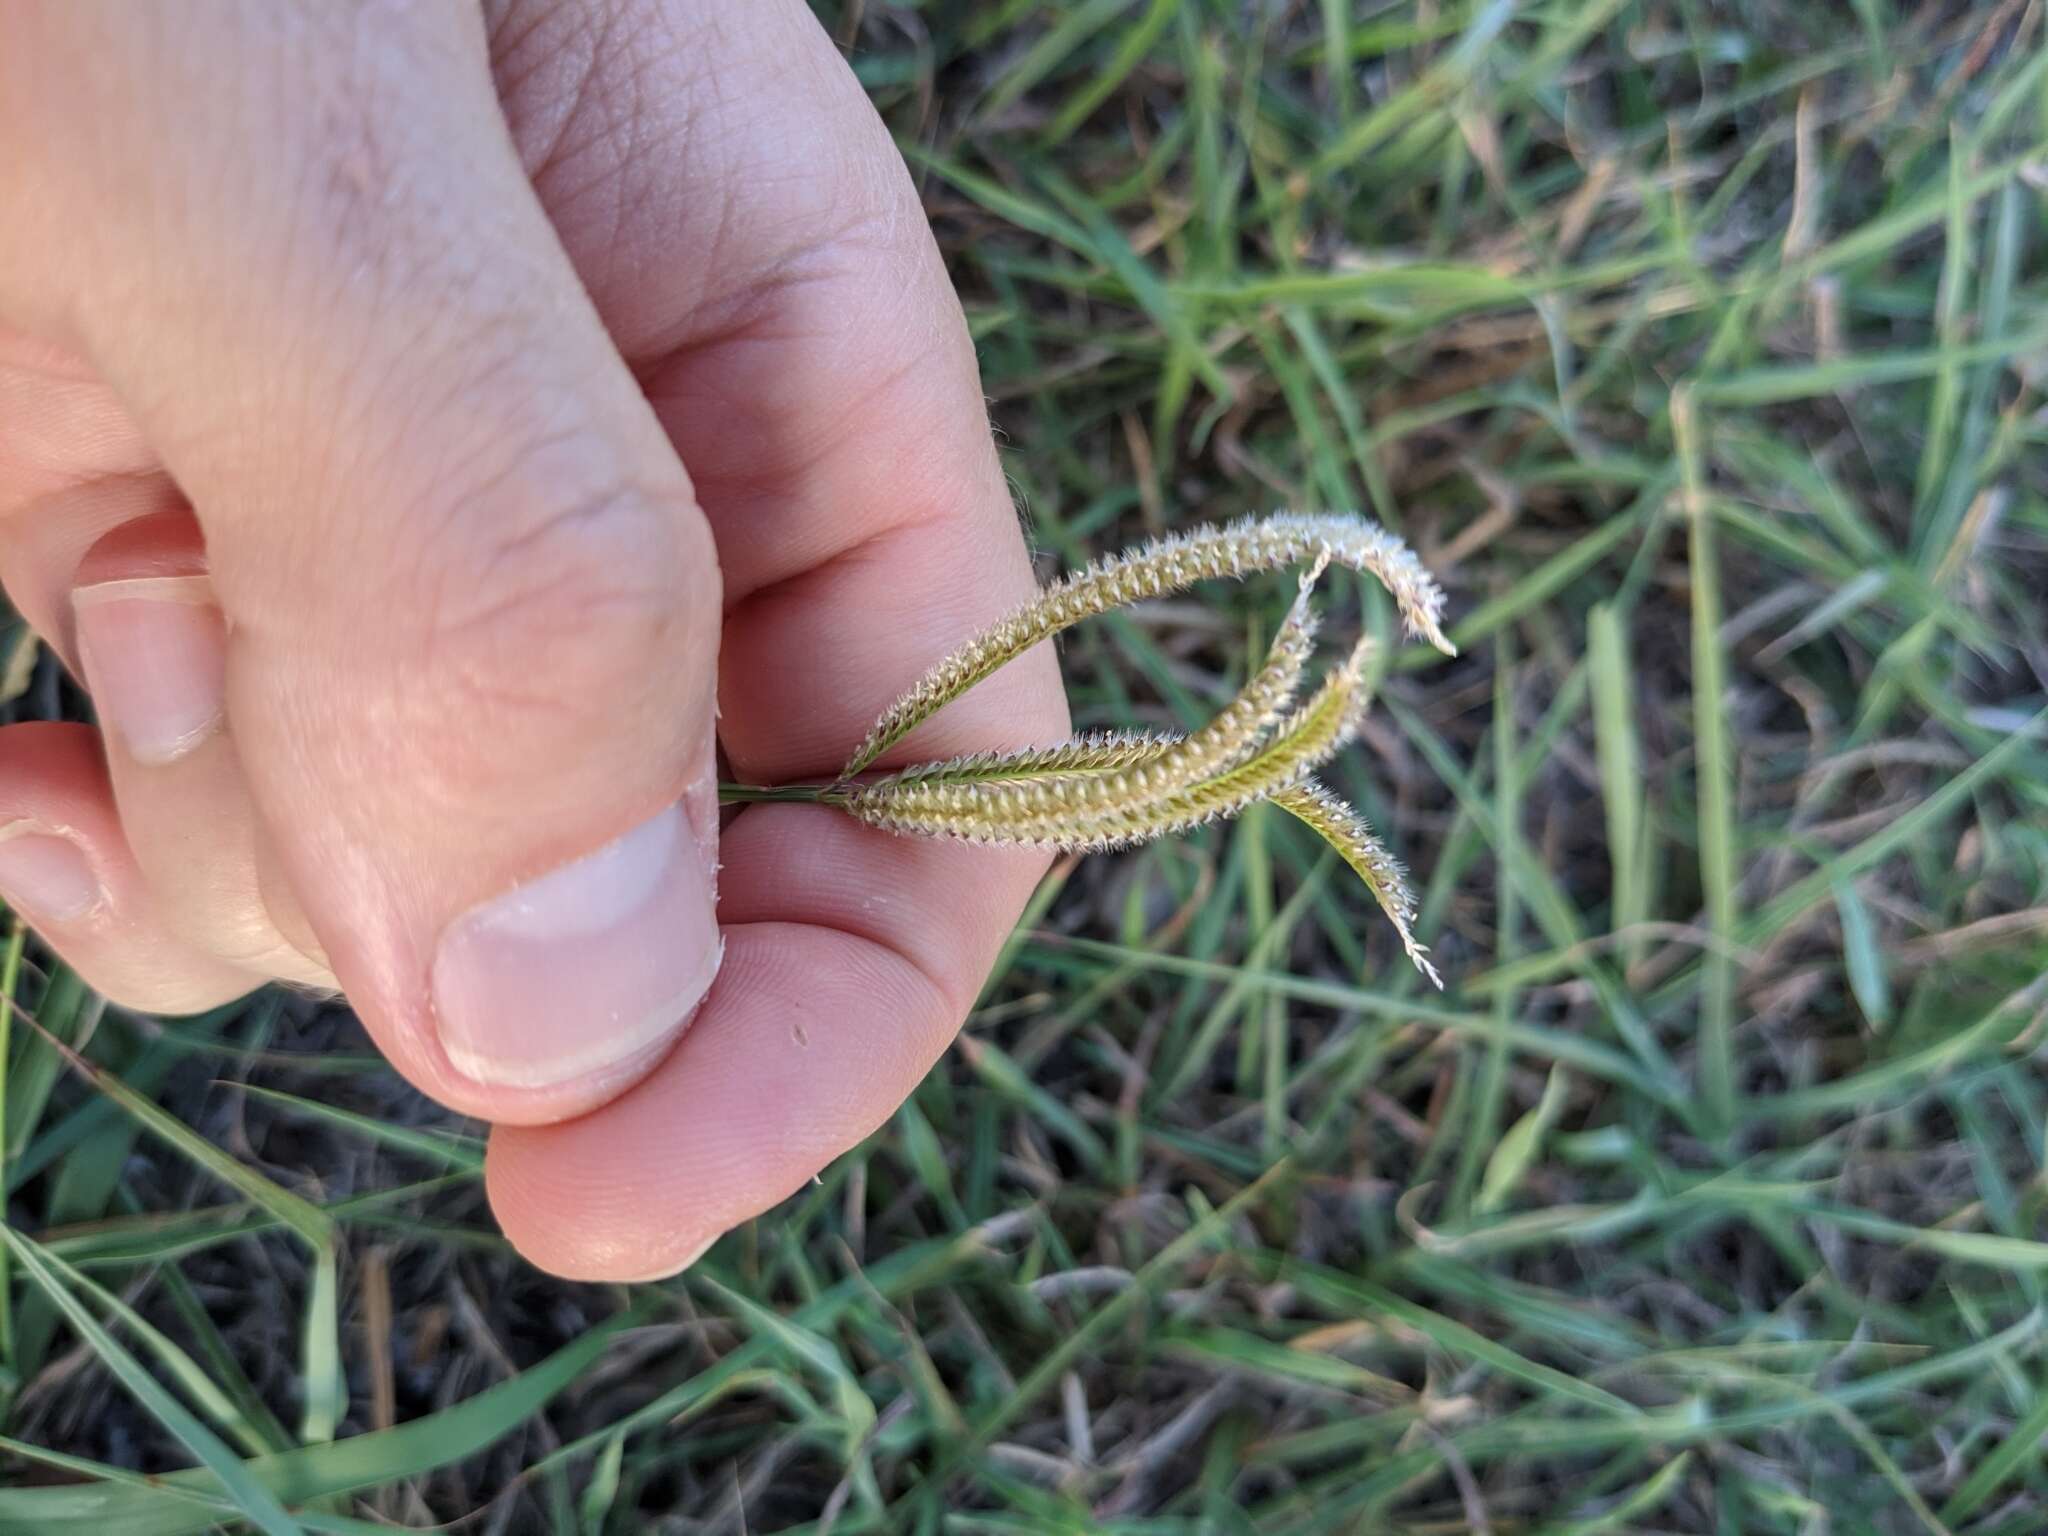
(594, 588)
(579, 605)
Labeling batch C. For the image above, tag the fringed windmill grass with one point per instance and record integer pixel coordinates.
(1113, 791)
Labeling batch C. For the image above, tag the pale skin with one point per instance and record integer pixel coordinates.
(427, 430)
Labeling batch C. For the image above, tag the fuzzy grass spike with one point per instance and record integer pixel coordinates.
(1168, 565)
(1114, 790)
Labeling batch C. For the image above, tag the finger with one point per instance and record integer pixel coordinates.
(86, 515)
(72, 469)
(65, 867)
(470, 608)
(152, 647)
(59, 428)
(832, 419)
(822, 1021)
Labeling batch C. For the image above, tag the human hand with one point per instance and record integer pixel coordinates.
(427, 430)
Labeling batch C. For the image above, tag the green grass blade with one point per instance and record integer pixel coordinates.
(1713, 773)
(464, 1154)
(295, 1211)
(10, 981)
(301, 1476)
(256, 1503)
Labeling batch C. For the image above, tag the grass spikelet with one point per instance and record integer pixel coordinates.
(1068, 812)
(1138, 778)
(1169, 565)
(1095, 752)
(1333, 819)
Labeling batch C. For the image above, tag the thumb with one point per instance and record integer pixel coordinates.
(471, 611)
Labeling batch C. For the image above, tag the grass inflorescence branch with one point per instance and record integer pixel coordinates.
(1114, 790)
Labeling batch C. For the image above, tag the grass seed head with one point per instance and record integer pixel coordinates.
(1166, 565)
(1113, 791)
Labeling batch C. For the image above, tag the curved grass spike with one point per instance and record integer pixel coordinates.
(1333, 820)
(1092, 752)
(1168, 565)
(1109, 790)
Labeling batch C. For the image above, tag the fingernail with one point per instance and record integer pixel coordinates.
(588, 969)
(45, 874)
(155, 655)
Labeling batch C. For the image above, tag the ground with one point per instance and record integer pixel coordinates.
(1697, 345)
